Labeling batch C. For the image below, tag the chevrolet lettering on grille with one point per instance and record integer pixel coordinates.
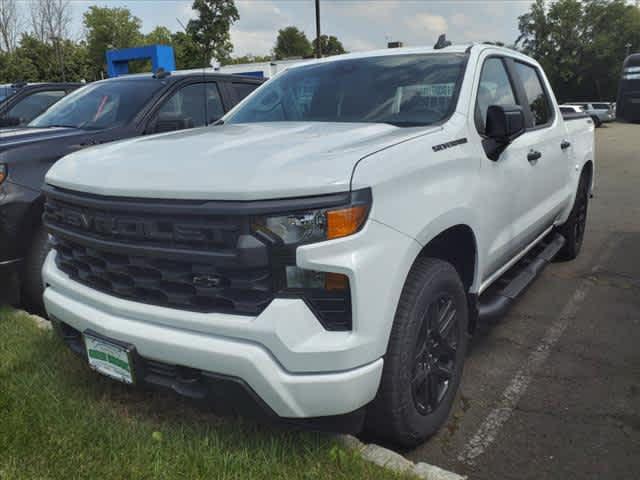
(136, 228)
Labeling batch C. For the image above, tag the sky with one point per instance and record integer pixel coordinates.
(359, 24)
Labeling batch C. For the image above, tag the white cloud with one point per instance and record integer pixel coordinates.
(461, 20)
(359, 45)
(373, 10)
(422, 22)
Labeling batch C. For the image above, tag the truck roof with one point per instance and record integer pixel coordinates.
(179, 74)
(459, 48)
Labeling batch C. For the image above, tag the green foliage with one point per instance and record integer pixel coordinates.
(580, 44)
(37, 61)
(210, 30)
(292, 42)
(249, 59)
(109, 28)
(187, 53)
(329, 46)
(159, 36)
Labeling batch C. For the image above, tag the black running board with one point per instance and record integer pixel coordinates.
(496, 302)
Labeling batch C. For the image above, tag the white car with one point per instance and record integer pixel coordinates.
(571, 109)
(324, 254)
(600, 112)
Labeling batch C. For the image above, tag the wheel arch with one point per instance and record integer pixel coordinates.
(456, 244)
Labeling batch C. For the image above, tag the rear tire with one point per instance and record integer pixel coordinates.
(574, 228)
(425, 356)
(32, 284)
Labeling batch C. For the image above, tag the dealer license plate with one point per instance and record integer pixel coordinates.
(109, 358)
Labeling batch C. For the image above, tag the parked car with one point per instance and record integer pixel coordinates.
(100, 112)
(22, 102)
(571, 109)
(324, 255)
(600, 112)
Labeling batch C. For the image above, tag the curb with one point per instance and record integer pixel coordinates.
(372, 453)
(41, 323)
(394, 461)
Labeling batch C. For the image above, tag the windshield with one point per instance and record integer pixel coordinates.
(404, 90)
(100, 105)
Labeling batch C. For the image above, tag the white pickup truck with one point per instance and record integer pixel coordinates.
(325, 253)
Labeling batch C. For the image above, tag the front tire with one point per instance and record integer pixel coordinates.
(425, 356)
(574, 228)
(596, 121)
(32, 284)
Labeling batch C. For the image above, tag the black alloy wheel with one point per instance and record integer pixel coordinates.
(435, 358)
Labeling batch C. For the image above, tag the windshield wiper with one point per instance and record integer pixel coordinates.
(60, 126)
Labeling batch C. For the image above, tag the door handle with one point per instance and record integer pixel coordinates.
(533, 156)
(565, 144)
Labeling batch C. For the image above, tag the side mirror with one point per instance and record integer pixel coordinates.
(504, 124)
(9, 121)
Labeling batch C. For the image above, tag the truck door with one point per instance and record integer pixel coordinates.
(544, 190)
(501, 181)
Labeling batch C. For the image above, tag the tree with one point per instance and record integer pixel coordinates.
(292, 42)
(210, 30)
(159, 36)
(580, 44)
(249, 58)
(329, 46)
(187, 53)
(37, 61)
(9, 25)
(50, 19)
(109, 28)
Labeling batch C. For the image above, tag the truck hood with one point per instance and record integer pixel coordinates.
(230, 162)
(12, 137)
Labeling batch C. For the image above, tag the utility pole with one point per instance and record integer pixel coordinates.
(318, 46)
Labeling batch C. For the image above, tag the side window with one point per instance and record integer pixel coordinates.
(30, 107)
(194, 105)
(244, 89)
(539, 102)
(494, 89)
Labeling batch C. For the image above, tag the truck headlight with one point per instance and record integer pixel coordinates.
(328, 294)
(317, 225)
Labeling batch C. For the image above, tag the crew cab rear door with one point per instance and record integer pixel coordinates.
(544, 191)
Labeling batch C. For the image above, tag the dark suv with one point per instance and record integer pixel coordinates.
(22, 102)
(99, 112)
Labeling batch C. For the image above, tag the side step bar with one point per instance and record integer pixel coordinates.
(525, 271)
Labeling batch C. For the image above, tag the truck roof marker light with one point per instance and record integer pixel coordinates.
(346, 221)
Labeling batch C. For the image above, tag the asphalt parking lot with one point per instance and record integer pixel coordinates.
(552, 391)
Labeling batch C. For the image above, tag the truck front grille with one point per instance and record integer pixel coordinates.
(171, 283)
(177, 254)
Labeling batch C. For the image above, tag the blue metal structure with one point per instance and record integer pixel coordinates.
(161, 56)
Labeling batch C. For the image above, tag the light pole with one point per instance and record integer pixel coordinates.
(628, 47)
(318, 46)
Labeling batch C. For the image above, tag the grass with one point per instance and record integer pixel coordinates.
(59, 420)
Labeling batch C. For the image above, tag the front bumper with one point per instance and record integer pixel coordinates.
(284, 355)
(287, 394)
